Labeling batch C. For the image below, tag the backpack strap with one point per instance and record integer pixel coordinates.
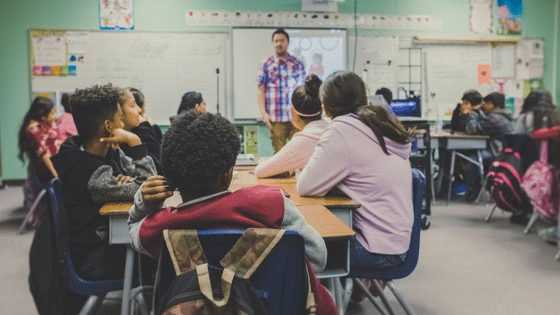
(544, 150)
(185, 250)
(250, 250)
(311, 305)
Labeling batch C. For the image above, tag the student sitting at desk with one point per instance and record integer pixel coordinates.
(491, 120)
(364, 153)
(538, 111)
(94, 172)
(306, 116)
(471, 100)
(198, 154)
(190, 100)
(136, 121)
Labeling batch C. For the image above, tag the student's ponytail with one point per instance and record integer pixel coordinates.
(345, 92)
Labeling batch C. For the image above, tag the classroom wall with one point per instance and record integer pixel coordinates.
(17, 17)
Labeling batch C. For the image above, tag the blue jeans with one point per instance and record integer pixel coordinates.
(361, 258)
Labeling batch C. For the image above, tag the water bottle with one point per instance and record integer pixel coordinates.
(439, 126)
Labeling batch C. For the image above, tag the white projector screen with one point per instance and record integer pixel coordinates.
(252, 45)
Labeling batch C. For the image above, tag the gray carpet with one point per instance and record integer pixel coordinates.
(466, 266)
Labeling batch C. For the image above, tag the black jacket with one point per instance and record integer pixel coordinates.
(88, 182)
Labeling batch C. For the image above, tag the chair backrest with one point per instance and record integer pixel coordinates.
(281, 276)
(406, 268)
(60, 220)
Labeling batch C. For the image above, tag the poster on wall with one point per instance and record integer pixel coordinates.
(48, 53)
(510, 13)
(116, 14)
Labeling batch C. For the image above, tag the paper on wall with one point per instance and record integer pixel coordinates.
(481, 16)
(77, 42)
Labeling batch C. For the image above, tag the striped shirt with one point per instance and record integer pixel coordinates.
(280, 77)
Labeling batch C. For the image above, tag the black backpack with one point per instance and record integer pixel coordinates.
(504, 177)
(203, 289)
(48, 276)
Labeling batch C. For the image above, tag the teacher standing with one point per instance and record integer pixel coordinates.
(277, 79)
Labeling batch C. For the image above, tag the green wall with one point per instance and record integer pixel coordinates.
(17, 17)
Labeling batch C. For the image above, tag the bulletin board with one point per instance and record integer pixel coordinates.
(163, 65)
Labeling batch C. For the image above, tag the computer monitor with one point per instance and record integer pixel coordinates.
(406, 108)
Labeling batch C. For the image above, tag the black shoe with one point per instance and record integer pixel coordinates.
(472, 195)
(519, 218)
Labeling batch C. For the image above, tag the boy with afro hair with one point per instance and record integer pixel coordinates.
(198, 155)
(94, 171)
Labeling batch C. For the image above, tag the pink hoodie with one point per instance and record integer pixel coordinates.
(349, 157)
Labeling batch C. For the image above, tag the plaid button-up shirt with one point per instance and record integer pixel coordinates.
(280, 77)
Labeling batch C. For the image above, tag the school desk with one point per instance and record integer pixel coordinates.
(454, 142)
(336, 232)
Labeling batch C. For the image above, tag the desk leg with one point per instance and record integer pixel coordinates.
(482, 179)
(451, 169)
(127, 285)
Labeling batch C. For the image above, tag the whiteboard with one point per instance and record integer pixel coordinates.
(162, 65)
(450, 70)
(250, 46)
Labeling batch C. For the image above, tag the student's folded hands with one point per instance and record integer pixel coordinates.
(123, 179)
(156, 190)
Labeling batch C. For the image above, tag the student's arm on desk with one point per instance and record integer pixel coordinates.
(328, 166)
(156, 191)
(288, 159)
(105, 187)
(315, 247)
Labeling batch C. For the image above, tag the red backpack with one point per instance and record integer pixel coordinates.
(503, 180)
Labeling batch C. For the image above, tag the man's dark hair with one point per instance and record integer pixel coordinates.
(386, 93)
(498, 99)
(280, 31)
(197, 149)
(472, 97)
(92, 106)
(189, 101)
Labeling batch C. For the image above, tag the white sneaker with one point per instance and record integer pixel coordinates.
(550, 235)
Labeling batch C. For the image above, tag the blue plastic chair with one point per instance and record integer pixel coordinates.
(281, 278)
(34, 178)
(95, 289)
(409, 264)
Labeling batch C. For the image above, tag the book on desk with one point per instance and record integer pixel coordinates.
(245, 160)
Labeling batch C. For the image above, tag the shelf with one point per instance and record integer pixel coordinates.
(467, 39)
